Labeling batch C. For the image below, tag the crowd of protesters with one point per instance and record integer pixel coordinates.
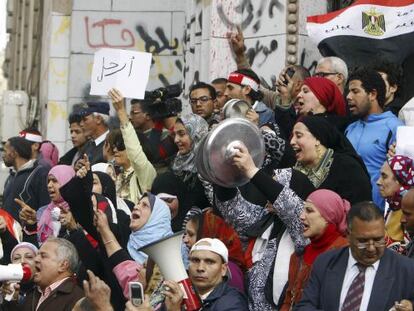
(325, 223)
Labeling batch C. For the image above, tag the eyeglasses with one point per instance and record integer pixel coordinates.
(202, 99)
(324, 74)
(365, 245)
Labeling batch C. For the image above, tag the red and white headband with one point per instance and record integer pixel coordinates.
(241, 79)
(31, 137)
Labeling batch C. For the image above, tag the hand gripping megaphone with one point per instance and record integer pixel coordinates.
(166, 253)
(15, 273)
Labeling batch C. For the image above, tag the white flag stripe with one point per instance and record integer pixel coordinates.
(398, 21)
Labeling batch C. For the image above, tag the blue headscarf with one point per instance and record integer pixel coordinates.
(157, 227)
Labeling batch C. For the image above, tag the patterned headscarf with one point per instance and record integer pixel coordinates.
(196, 128)
(403, 170)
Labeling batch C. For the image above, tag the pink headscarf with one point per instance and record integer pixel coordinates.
(332, 207)
(50, 152)
(63, 174)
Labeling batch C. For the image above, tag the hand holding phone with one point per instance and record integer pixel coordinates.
(136, 293)
(289, 73)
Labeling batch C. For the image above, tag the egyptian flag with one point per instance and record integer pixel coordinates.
(366, 30)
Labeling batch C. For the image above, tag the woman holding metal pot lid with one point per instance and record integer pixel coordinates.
(272, 233)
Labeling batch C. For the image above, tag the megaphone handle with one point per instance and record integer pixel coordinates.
(191, 301)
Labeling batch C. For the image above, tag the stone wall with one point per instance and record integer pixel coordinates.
(187, 39)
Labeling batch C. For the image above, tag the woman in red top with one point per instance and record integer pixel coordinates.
(324, 223)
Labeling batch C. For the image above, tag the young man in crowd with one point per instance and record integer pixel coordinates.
(78, 140)
(203, 101)
(219, 85)
(208, 272)
(392, 75)
(375, 131)
(27, 180)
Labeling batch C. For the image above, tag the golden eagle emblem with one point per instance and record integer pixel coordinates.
(373, 23)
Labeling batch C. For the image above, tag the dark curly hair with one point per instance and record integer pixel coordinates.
(371, 80)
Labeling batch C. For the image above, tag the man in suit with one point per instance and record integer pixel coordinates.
(56, 288)
(363, 276)
(94, 123)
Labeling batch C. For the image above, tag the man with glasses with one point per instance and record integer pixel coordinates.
(363, 276)
(157, 141)
(203, 100)
(334, 69)
(139, 115)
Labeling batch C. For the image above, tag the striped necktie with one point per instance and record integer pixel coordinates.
(353, 297)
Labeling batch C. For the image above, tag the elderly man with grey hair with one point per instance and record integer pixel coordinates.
(334, 69)
(95, 118)
(55, 267)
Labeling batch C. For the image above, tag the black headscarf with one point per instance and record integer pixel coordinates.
(108, 187)
(330, 137)
(171, 184)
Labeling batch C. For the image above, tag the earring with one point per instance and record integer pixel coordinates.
(318, 151)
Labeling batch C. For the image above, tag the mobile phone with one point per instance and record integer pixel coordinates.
(289, 72)
(136, 293)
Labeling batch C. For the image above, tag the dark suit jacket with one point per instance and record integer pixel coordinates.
(95, 153)
(62, 298)
(393, 282)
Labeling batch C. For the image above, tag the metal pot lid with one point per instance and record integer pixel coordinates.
(235, 108)
(219, 147)
(200, 161)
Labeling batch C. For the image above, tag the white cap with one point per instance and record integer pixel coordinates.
(212, 245)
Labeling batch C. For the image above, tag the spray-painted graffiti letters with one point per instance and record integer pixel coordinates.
(152, 45)
(303, 60)
(253, 52)
(126, 35)
(245, 5)
(247, 9)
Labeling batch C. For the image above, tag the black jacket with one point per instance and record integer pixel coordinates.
(67, 158)
(28, 185)
(225, 298)
(395, 106)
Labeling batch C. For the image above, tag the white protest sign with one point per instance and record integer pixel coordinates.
(125, 70)
(405, 143)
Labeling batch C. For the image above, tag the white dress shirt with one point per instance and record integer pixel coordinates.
(101, 138)
(350, 274)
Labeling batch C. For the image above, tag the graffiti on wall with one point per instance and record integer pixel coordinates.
(252, 13)
(154, 32)
(98, 31)
(258, 19)
(159, 44)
